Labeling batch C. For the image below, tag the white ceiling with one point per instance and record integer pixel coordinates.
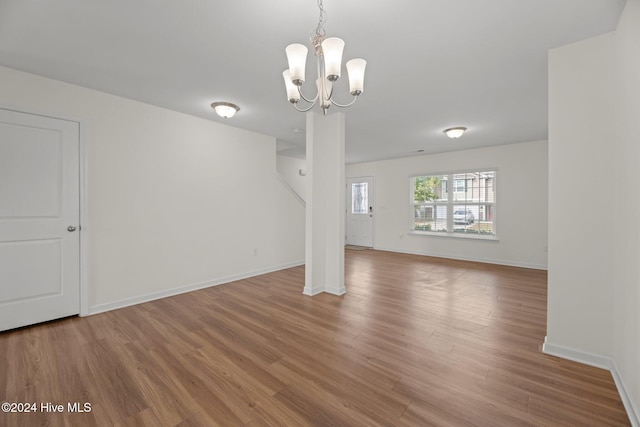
(431, 64)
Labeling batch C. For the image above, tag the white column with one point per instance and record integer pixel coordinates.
(325, 198)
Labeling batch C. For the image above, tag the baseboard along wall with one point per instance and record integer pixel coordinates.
(598, 361)
(101, 308)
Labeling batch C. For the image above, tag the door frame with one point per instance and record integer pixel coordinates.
(82, 159)
(372, 197)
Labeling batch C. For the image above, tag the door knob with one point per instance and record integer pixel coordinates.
(71, 228)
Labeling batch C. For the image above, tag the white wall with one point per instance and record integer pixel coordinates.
(521, 204)
(289, 168)
(174, 201)
(594, 268)
(581, 192)
(626, 272)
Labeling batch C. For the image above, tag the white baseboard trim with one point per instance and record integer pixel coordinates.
(586, 358)
(311, 291)
(101, 308)
(632, 411)
(462, 258)
(598, 361)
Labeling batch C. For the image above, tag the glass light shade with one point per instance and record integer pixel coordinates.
(327, 85)
(292, 91)
(297, 57)
(455, 132)
(225, 109)
(332, 51)
(355, 69)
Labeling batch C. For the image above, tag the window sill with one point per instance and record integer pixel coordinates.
(456, 235)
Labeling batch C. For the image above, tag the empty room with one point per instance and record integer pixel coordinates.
(320, 213)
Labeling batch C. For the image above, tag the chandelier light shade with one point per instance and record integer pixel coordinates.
(355, 69)
(328, 52)
(455, 132)
(292, 90)
(297, 58)
(225, 109)
(332, 50)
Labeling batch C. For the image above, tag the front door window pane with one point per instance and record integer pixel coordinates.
(359, 198)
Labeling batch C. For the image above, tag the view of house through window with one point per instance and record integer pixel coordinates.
(469, 209)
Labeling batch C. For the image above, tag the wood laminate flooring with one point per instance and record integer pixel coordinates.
(416, 341)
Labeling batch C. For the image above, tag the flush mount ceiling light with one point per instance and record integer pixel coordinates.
(225, 109)
(455, 132)
(328, 53)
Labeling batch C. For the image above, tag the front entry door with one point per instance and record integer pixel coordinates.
(360, 206)
(39, 219)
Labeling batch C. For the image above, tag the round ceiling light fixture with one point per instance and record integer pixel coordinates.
(455, 132)
(225, 109)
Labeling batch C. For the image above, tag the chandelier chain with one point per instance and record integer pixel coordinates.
(319, 35)
(322, 18)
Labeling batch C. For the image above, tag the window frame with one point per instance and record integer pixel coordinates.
(451, 204)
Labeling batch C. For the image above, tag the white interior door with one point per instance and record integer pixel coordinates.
(360, 211)
(39, 219)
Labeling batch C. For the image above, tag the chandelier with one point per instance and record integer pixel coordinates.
(328, 53)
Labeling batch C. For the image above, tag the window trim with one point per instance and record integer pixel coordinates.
(450, 204)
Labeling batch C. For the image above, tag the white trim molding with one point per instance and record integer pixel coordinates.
(336, 290)
(310, 291)
(632, 411)
(84, 217)
(101, 308)
(463, 258)
(599, 361)
(579, 356)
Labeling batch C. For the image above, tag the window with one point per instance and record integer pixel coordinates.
(468, 210)
(430, 203)
(359, 198)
